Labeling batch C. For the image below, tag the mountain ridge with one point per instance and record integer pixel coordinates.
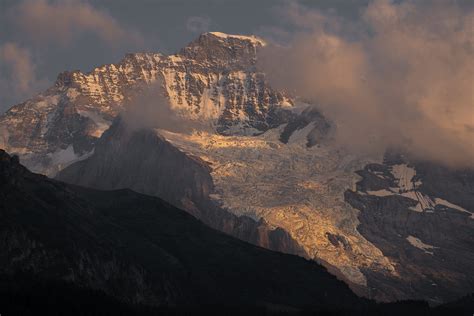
(267, 170)
(213, 79)
(140, 249)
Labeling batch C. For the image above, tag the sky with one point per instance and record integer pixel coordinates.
(399, 69)
(41, 38)
(400, 75)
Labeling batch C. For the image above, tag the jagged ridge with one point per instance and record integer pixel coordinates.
(212, 80)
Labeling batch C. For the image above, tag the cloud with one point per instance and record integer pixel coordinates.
(198, 24)
(48, 30)
(149, 109)
(61, 22)
(402, 75)
(18, 78)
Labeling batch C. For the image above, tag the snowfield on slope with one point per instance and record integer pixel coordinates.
(291, 186)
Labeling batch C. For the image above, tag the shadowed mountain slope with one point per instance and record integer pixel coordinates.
(142, 250)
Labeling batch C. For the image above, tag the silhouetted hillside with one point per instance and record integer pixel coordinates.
(140, 249)
(68, 250)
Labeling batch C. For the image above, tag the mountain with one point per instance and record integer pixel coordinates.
(416, 212)
(266, 168)
(366, 222)
(141, 249)
(212, 80)
(145, 162)
(73, 250)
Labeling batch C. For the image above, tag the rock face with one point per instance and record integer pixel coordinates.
(144, 161)
(286, 197)
(140, 249)
(213, 80)
(417, 214)
(315, 197)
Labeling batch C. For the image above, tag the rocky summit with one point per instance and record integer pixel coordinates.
(213, 80)
(266, 168)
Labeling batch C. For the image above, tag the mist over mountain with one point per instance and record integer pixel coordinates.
(401, 75)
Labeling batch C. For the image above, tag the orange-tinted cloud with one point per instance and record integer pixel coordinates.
(403, 75)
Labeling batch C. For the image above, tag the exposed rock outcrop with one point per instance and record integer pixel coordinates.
(213, 80)
(418, 215)
(141, 249)
(144, 161)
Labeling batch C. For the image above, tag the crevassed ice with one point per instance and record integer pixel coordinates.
(291, 186)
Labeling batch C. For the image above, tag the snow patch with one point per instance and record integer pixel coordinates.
(63, 156)
(416, 242)
(453, 206)
(408, 188)
(252, 38)
(425, 203)
(404, 176)
(382, 192)
(300, 136)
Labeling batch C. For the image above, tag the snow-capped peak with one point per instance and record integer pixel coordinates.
(252, 38)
